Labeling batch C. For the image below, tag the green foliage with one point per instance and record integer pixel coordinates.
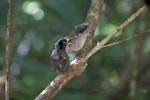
(37, 24)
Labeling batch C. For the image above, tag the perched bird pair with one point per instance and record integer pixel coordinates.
(70, 44)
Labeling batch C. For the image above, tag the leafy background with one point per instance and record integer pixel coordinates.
(37, 24)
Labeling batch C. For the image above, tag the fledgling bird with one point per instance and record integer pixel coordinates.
(76, 39)
(59, 58)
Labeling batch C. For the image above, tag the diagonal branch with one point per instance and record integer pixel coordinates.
(126, 39)
(78, 66)
(122, 26)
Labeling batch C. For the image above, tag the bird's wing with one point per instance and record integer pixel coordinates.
(54, 58)
(64, 59)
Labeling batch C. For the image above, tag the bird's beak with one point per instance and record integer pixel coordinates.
(68, 42)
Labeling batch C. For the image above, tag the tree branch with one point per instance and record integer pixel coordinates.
(122, 26)
(126, 39)
(7, 49)
(78, 66)
(92, 19)
(124, 83)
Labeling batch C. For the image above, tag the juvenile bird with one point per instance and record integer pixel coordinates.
(76, 39)
(59, 58)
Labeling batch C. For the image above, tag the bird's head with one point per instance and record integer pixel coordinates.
(81, 27)
(61, 44)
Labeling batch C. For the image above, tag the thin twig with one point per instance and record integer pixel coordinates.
(126, 39)
(7, 49)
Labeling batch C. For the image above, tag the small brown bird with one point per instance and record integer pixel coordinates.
(59, 58)
(76, 39)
